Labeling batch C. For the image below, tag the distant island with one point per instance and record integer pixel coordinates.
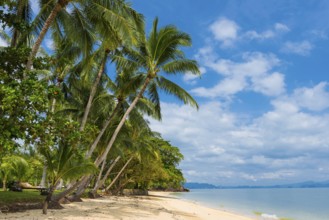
(307, 184)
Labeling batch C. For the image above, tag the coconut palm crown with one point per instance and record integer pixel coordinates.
(160, 53)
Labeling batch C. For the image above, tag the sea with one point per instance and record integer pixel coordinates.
(276, 203)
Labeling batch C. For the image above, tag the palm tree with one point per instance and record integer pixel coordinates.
(158, 53)
(77, 23)
(23, 17)
(63, 162)
(14, 166)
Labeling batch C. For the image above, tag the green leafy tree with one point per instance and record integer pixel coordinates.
(23, 102)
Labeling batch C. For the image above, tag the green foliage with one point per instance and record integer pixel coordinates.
(60, 148)
(41, 109)
(170, 158)
(23, 101)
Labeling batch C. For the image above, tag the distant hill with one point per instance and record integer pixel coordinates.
(308, 184)
(199, 186)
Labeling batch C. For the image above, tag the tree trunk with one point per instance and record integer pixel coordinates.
(4, 186)
(100, 159)
(44, 176)
(44, 171)
(68, 191)
(81, 188)
(100, 174)
(106, 124)
(92, 93)
(48, 198)
(16, 33)
(101, 182)
(119, 174)
(42, 34)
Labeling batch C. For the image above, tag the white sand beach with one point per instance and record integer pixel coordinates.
(159, 205)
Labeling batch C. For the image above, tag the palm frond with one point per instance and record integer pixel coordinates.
(173, 89)
(181, 66)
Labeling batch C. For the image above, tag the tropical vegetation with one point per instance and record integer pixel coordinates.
(74, 116)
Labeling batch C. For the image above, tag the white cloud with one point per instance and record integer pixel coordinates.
(319, 34)
(270, 84)
(225, 31)
(315, 99)
(255, 35)
(267, 34)
(254, 73)
(300, 48)
(283, 144)
(281, 27)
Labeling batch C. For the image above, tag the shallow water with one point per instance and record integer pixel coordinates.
(296, 204)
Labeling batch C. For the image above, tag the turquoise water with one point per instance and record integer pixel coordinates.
(296, 204)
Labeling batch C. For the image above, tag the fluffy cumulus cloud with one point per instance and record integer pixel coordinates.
(254, 72)
(225, 31)
(277, 29)
(315, 99)
(302, 48)
(285, 144)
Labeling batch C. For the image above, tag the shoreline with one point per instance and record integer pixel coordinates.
(158, 205)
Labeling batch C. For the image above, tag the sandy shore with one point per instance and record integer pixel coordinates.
(158, 205)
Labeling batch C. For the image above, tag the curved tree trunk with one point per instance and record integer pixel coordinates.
(68, 191)
(119, 174)
(101, 182)
(43, 32)
(92, 93)
(100, 159)
(81, 188)
(100, 134)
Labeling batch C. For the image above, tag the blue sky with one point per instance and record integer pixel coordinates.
(263, 93)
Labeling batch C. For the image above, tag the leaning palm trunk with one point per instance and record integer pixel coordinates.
(100, 159)
(70, 190)
(100, 173)
(81, 188)
(101, 182)
(119, 174)
(49, 21)
(92, 93)
(100, 134)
